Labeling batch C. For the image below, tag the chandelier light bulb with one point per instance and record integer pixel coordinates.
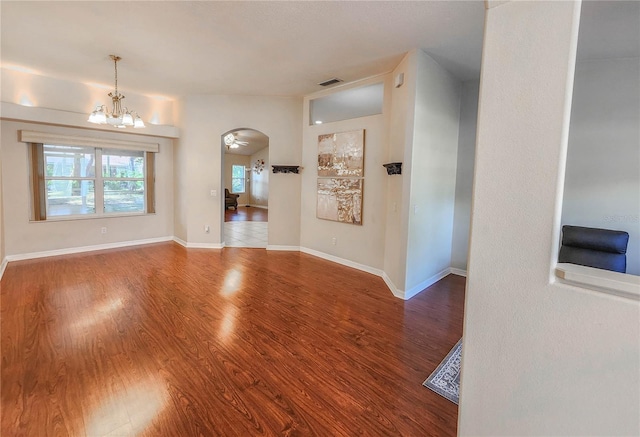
(137, 123)
(127, 119)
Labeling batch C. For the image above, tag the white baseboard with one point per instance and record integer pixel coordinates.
(287, 248)
(458, 272)
(394, 290)
(188, 245)
(344, 262)
(3, 266)
(80, 249)
(408, 294)
(259, 206)
(180, 241)
(401, 294)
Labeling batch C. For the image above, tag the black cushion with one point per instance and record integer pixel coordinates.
(604, 240)
(593, 247)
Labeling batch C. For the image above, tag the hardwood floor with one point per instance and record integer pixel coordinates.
(160, 340)
(246, 214)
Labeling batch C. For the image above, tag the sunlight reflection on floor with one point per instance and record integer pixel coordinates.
(232, 283)
(128, 413)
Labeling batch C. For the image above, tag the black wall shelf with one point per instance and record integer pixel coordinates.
(393, 168)
(286, 169)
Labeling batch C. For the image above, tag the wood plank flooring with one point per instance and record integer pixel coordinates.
(159, 340)
(246, 214)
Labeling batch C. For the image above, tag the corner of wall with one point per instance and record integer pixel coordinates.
(3, 266)
(2, 256)
(433, 172)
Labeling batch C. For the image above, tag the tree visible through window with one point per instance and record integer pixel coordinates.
(237, 179)
(123, 178)
(70, 180)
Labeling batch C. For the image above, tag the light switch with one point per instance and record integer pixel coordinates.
(214, 193)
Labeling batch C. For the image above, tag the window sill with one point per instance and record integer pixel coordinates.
(618, 284)
(91, 217)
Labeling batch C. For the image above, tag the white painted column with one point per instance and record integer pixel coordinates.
(539, 357)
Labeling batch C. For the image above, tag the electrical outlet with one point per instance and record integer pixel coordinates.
(103, 230)
(334, 241)
(207, 229)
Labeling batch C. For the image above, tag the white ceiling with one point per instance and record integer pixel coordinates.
(174, 48)
(255, 140)
(236, 47)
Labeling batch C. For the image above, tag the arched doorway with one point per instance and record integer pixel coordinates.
(245, 178)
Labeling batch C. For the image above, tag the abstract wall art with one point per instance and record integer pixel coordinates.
(341, 154)
(340, 199)
(340, 181)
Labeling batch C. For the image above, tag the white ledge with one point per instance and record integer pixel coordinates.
(34, 114)
(605, 281)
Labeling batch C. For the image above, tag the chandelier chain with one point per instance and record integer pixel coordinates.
(115, 68)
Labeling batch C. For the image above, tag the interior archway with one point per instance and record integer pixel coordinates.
(245, 179)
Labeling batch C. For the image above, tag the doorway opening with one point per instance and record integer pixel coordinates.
(245, 172)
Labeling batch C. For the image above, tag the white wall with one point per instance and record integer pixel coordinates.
(230, 160)
(407, 219)
(37, 91)
(602, 187)
(24, 237)
(180, 178)
(464, 173)
(400, 138)
(540, 358)
(260, 182)
(199, 157)
(433, 173)
(1, 216)
(362, 244)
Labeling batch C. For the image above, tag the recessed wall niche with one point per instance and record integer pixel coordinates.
(344, 105)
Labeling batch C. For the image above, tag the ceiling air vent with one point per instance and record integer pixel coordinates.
(330, 82)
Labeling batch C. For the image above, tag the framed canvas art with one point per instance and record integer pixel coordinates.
(341, 154)
(340, 199)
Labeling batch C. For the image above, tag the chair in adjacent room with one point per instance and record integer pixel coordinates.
(230, 199)
(592, 247)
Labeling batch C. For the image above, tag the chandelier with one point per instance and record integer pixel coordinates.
(117, 117)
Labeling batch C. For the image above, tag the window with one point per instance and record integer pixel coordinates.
(65, 181)
(237, 179)
(69, 180)
(123, 181)
(347, 104)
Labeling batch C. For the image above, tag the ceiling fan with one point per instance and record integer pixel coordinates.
(232, 142)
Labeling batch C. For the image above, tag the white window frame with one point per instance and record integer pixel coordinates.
(93, 179)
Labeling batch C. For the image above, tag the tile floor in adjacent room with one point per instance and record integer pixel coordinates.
(245, 234)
